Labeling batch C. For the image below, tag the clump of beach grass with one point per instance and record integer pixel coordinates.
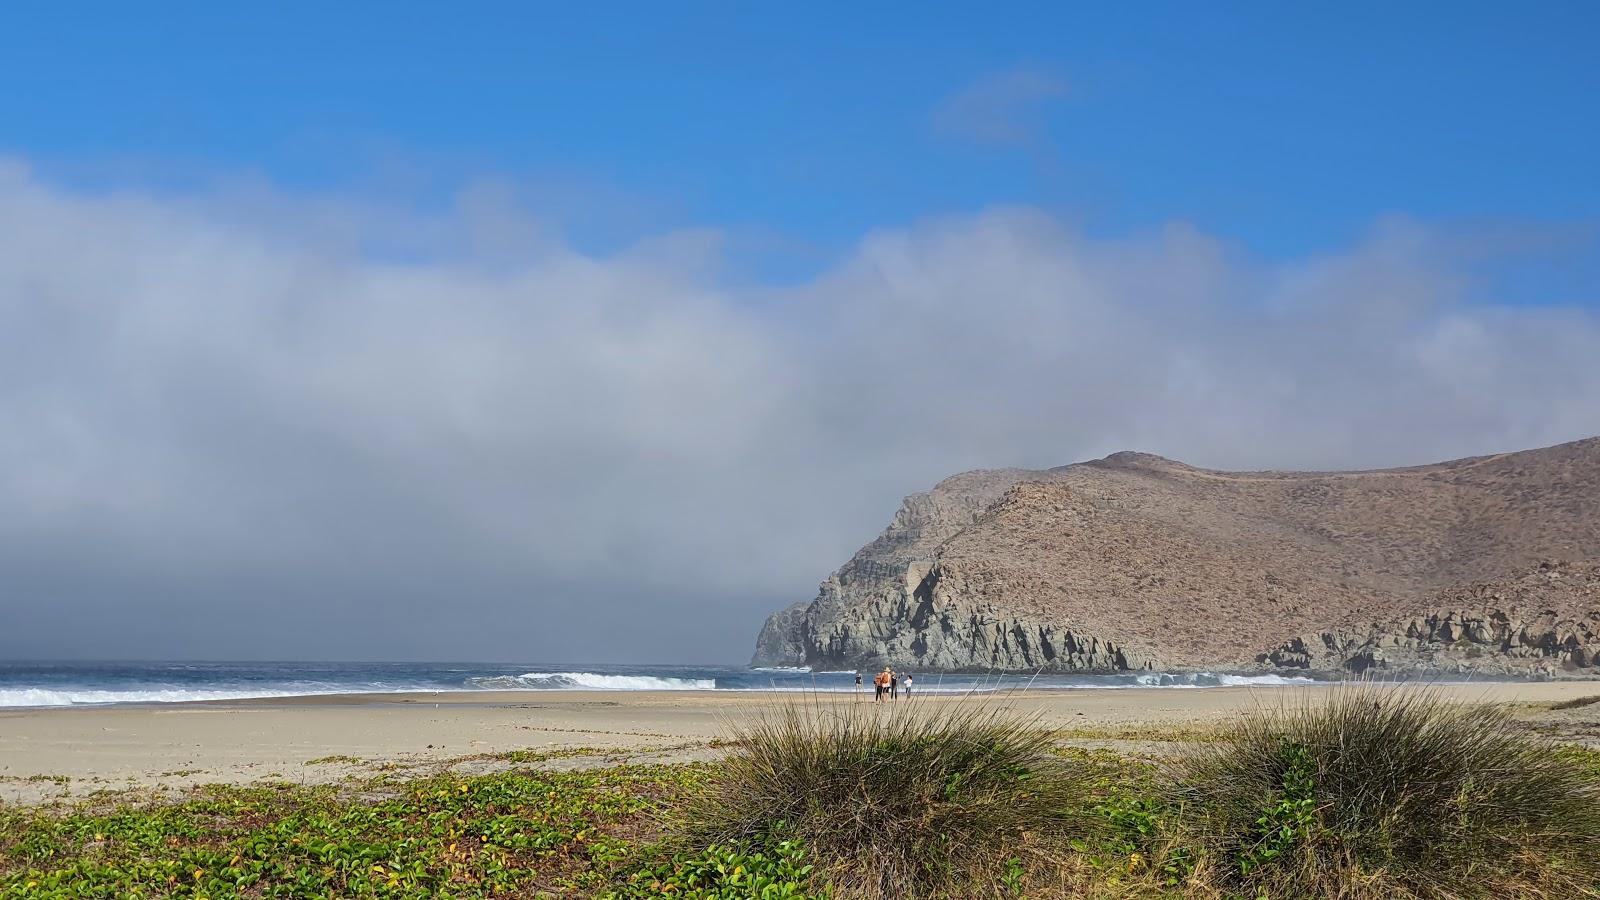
(1389, 792)
(949, 799)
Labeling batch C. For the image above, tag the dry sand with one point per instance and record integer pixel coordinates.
(46, 753)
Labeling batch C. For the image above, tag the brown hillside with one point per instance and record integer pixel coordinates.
(1187, 567)
(1200, 565)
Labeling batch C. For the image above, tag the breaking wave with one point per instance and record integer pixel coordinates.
(1212, 679)
(42, 697)
(97, 684)
(589, 681)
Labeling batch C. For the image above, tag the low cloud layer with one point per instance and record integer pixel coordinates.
(298, 427)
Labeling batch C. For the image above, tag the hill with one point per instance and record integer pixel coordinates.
(1138, 562)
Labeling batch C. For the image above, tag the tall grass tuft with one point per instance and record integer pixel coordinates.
(1393, 793)
(903, 801)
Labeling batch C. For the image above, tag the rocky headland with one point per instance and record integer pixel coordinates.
(1135, 562)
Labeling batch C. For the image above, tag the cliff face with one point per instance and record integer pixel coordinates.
(937, 618)
(1136, 562)
(1545, 623)
(853, 609)
(779, 643)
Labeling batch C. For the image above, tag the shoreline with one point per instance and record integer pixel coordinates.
(503, 696)
(63, 752)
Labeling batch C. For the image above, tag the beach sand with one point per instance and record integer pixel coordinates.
(51, 753)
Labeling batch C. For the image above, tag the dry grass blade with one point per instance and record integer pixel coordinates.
(1392, 792)
(907, 800)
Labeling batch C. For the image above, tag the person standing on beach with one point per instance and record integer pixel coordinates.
(858, 685)
(880, 683)
(908, 685)
(894, 685)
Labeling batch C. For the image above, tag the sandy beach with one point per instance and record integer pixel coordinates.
(46, 753)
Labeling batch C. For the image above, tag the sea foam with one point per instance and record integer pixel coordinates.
(85, 684)
(43, 697)
(1212, 679)
(590, 681)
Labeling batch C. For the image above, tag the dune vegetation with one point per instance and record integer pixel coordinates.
(908, 803)
(1390, 794)
(1375, 793)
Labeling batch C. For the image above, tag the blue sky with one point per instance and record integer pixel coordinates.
(1286, 127)
(622, 328)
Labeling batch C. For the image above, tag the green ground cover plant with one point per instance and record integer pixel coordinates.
(335, 759)
(1585, 758)
(1134, 851)
(521, 833)
(776, 870)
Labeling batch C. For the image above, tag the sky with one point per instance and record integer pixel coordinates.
(520, 333)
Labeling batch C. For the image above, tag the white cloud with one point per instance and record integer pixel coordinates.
(224, 431)
(1003, 108)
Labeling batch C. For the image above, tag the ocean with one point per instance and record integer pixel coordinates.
(59, 684)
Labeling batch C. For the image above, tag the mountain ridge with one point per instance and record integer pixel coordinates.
(1134, 561)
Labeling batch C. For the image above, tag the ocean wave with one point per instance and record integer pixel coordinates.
(14, 697)
(788, 670)
(589, 681)
(1213, 679)
(156, 692)
(95, 689)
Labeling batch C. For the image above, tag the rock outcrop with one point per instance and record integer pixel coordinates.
(1545, 623)
(848, 613)
(938, 620)
(1134, 562)
(779, 643)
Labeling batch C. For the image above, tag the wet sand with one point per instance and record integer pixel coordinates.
(46, 753)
